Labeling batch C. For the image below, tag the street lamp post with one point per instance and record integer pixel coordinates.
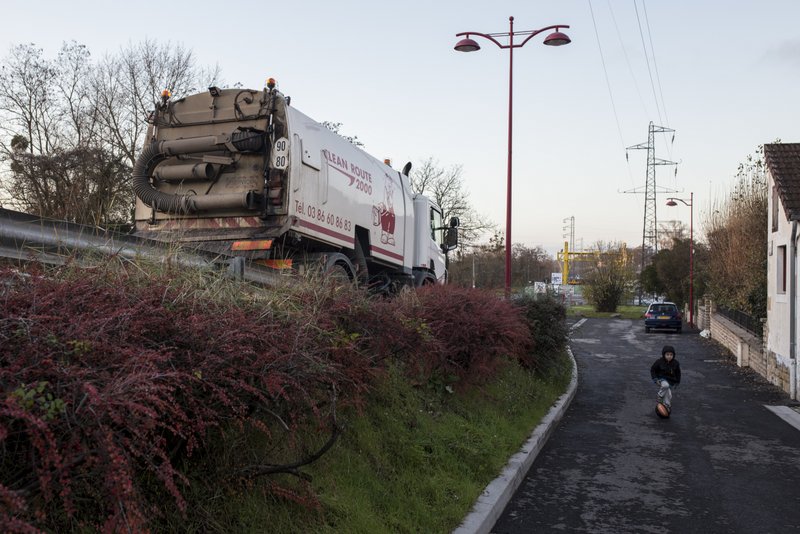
(469, 45)
(690, 203)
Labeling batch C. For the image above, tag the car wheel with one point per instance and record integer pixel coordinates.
(678, 330)
(646, 329)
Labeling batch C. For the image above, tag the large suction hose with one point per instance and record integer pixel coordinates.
(155, 152)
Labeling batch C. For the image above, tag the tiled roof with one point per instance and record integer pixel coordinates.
(783, 162)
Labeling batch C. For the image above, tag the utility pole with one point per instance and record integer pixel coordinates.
(650, 227)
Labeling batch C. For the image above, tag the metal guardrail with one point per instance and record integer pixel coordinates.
(25, 237)
(748, 322)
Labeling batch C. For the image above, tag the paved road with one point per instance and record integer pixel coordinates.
(722, 463)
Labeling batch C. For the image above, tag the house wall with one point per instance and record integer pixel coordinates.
(776, 339)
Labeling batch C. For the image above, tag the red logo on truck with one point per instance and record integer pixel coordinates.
(383, 215)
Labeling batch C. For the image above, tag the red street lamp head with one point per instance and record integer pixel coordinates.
(467, 45)
(671, 203)
(557, 39)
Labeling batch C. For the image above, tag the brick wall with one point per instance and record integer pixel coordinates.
(703, 319)
(748, 350)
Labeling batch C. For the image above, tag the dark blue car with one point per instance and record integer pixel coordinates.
(663, 315)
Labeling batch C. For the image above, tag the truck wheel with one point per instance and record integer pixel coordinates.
(339, 274)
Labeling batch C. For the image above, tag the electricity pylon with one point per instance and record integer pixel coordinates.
(650, 228)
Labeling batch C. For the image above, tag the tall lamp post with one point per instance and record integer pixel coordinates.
(672, 202)
(556, 38)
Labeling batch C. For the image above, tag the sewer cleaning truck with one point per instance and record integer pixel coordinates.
(242, 173)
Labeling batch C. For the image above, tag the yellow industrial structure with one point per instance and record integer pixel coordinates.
(566, 257)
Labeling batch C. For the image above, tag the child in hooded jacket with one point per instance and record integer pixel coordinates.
(666, 374)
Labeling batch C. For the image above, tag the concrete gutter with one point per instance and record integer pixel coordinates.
(494, 499)
(787, 414)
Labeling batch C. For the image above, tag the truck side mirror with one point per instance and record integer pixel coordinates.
(450, 238)
(454, 222)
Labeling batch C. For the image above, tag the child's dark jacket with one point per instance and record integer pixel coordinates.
(669, 371)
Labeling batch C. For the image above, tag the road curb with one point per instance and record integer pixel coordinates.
(491, 503)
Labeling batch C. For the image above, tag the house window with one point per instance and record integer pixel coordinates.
(774, 209)
(781, 261)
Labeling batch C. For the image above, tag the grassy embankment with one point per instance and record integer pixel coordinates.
(176, 401)
(414, 461)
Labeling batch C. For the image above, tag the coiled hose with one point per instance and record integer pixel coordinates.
(155, 152)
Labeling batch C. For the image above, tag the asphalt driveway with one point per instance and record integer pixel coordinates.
(723, 462)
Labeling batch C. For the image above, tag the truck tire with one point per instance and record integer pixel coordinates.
(339, 274)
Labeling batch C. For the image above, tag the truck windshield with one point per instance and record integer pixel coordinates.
(436, 224)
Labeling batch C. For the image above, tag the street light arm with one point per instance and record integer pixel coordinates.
(681, 200)
(484, 35)
(519, 45)
(537, 32)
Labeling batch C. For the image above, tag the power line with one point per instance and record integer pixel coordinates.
(655, 64)
(608, 85)
(647, 60)
(627, 59)
(658, 80)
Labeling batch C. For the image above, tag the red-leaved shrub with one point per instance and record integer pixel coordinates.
(110, 383)
(103, 383)
(475, 329)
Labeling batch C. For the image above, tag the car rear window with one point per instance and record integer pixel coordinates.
(664, 308)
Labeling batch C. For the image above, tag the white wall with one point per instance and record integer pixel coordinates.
(777, 304)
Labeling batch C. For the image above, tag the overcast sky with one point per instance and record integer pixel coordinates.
(725, 75)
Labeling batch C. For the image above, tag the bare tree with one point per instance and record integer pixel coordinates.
(481, 266)
(129, 84)
(27, 81)
(671, 230)
(336, 128)
(71, 129)
(736, 230)
(531, 265)
(56, 167)
(446, 187)
(610, 279)
(82, 184)
(78, 113)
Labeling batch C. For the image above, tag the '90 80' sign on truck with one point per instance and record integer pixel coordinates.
(243, 173)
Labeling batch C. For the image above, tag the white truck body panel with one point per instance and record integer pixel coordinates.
(339, 186)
